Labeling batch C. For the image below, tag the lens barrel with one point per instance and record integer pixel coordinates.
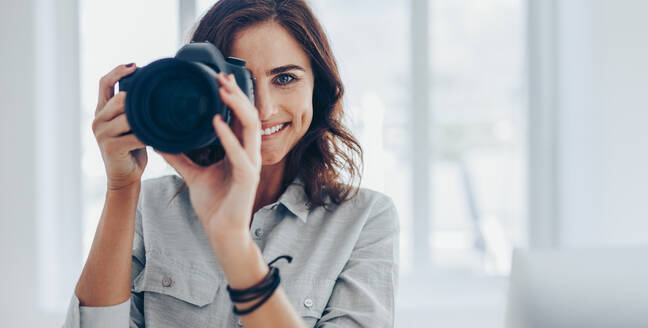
(171, 102)
(171, 105)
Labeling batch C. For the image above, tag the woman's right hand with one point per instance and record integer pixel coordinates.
(124, 155)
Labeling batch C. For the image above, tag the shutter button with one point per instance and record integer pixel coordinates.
(166, 282)
(308, 303)
(258, 232)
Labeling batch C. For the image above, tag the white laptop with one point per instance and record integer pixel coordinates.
(579, 288)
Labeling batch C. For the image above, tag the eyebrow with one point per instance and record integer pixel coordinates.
(284, 68)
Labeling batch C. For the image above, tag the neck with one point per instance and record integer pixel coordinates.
(269, 188)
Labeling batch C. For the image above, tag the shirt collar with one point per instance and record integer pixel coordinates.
(295, 200)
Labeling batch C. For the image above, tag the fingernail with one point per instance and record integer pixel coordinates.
(129, 65)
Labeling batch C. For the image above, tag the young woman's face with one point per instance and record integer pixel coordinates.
(283, 89)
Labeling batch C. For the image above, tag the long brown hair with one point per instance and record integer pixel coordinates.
(328, 153)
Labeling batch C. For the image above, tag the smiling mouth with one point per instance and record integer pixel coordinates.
(274, 129)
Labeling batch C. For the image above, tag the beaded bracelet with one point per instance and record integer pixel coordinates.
(265, 288)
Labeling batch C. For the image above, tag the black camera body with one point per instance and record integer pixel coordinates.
(171, 102)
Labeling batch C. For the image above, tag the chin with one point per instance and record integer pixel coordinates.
(271, 159)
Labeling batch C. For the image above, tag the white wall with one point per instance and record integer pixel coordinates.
(39, 130)
(602, 140)
(17, 142)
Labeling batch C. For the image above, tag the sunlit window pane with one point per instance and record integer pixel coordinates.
(478, 133)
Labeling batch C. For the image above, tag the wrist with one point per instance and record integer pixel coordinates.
(224, 238)
(124, 194)
(241, 260)
(132, 188)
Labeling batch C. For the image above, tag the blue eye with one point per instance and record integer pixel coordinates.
(284, 79)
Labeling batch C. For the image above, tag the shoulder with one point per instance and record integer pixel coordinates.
(369, 202)
(167, 194)
(160, 190)
(371, 199)
(368, 208)
(163, 202)
(161, 187)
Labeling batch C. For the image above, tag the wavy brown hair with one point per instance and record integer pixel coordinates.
(328, 153)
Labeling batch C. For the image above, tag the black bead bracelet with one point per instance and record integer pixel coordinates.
(264, 289)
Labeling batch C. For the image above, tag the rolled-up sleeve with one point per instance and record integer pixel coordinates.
(95, 317)
(364, 293)
(126, 314)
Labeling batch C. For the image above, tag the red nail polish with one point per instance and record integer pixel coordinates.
(129, 65)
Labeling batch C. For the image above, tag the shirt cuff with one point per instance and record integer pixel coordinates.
(98, 316)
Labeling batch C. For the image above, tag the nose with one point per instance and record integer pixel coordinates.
(263, 102)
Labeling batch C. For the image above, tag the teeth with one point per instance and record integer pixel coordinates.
(272, 129)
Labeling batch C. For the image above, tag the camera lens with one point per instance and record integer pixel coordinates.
(172, 104)
(180, 104)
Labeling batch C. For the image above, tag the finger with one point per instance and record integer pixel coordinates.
(182, 164)
(245, 112)
(107, 83)
(130, 142)
(113, 128)
(245, 109)
(113, 107)
(121, 145)
(231, 84)
(233, 149)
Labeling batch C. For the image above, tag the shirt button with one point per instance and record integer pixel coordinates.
(308, 303)
(166, 282)
(274, 207)
(258, 232)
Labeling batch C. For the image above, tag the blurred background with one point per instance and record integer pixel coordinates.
(493, 124)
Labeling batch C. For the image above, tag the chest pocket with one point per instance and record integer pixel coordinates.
(175, 293)
(309, 296)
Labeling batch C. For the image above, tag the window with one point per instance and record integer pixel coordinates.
(478, 133)
(474, 146)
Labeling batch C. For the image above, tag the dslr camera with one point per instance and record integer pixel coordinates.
(170, 103)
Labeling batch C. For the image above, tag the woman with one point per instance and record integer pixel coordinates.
(165, 256)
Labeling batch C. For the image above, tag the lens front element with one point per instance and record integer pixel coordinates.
(172, 105)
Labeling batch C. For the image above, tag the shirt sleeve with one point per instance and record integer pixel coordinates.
(364, 293)
(126, 314)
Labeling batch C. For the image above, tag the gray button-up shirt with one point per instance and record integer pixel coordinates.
(344, 271)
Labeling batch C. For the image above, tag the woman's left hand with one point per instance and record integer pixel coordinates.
(222, 194)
